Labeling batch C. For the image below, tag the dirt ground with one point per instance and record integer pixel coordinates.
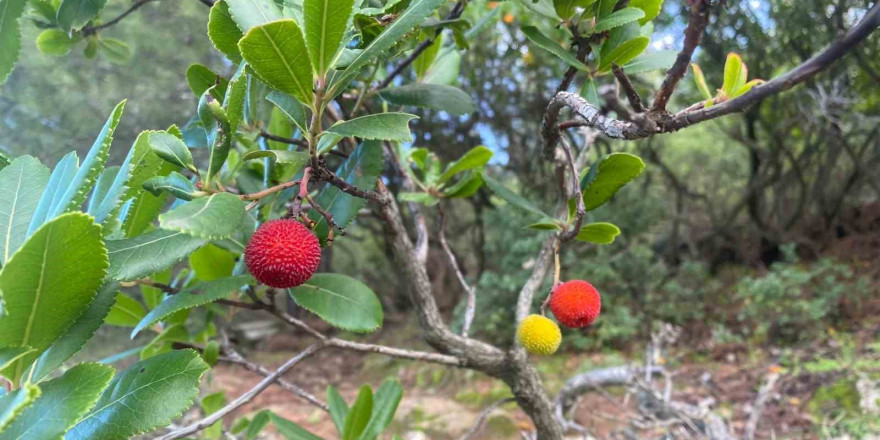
(443, 404)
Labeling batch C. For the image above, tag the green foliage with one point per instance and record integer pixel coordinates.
(10, 35)
(145, 254)
(325, 25)
(144, 396)
(436, 96)
(199, 294)
(381, 126)
(23, 181)
(551, 46)
(39, 281)
(215, 217)
(277, 53)
(607, 176)
(791, 299)
(62, 402)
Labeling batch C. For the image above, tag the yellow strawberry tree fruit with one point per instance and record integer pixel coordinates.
(539, 335)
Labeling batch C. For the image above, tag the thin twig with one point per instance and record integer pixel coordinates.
(469, 290)
(618, 129)
(424, 45)
(91, 30)
(631, 94)
(759, 405)
(484, 416)
(581, 210)
(244, 398)
(234, 357)
(692, 34)
(271, 190)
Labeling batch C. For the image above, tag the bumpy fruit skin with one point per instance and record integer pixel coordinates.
(575, 304)
(539, 335)
(283, 254)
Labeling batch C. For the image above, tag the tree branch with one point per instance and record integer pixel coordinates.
(692, 34)
(469, 290)
(453, 14)
(631, 94)
(618, 129)
(91, 30)
(244, 398)
(481, 421)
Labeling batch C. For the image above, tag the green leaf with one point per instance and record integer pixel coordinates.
(197, 295)
(144, 206)
(8, 355)
(217, 216)
(211, 404)
(236, 95)
(68, 191)
(12, 403)
(338, 408)
(290, 430)
(251, 13)
(223, 31)
(291, 108)
(359, 415)
(211, 263)
(76, 336)
(126, 312)
(405, 21)
(259, 422)
(146, 395)
(746, 87)
(326, 22)
(700, 80)
(565, 9)
(116, 51)
(74, 14)
(618, 18)
(387, 398)
(200, 79)
(10, 35)
(170, 333)
(435, 96)
(61, 403)
(55, 42)
(425, 59)
(476, 157)
(418, 197)
(445, 69)
(174, 183)
(661, 59)
(607, 176)
(21, 184)
(598, 233)
(606, 7)
(651, 7)
(342, 301)
(171, 149)
(361, 169)
(106, 207)
(298, 159)
(589, 91)
(624, 53)
(277, 54)
(141, 256)
(553, 47)
(59, 180)
(39, 281)
(735, 74)
(380, 126)
(511, 197)
(546, 224)
(466, 186)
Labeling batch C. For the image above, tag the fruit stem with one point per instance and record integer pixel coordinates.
(555, 279)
